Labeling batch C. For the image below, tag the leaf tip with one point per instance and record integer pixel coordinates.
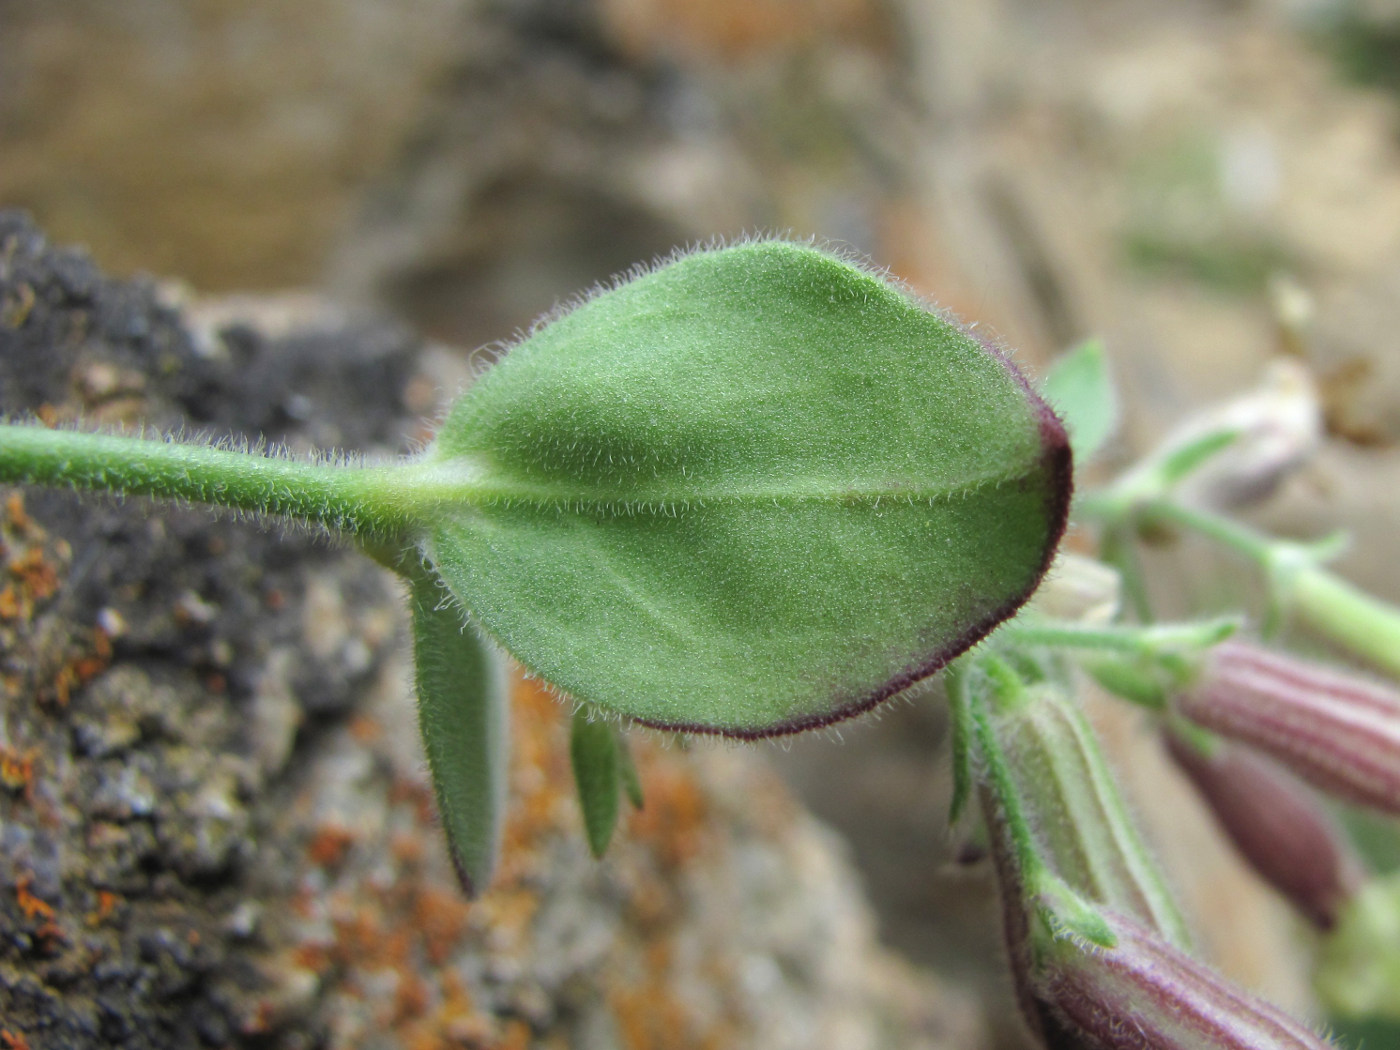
(464, 877)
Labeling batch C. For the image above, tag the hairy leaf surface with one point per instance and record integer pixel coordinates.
(755, 490)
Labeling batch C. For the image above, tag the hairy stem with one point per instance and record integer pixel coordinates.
(1370, 628)
(1329, 604)
(1148, 641)
(362, 501)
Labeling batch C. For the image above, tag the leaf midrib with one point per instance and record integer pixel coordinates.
(465, 482)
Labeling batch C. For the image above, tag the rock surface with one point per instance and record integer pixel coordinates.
(1204, 185)
(215, 824)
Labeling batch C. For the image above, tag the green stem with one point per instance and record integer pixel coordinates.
(1254, 545)
(1119, 552)
(1344, 613)
(1329, 604)
(1150, 641)
(997, 776)
(366, 502)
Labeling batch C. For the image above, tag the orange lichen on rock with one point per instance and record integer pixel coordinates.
(440, 917)
(329, 845)
(107, 902)
(49, 937)
(736, 29)
(32, 576)
(312, 957)
(450, 1021)
(541, 780)
(17, 770)
(60, 690)
(15, 515)
(516, 1036)
(32, 906)
(359, 936)
(675, 820)
(10, 1040)
(415, 793)
(407, 850)
(509, 909)
(96, 660)
(10, 606)
(649, 1017)
(365, 729)
(37, 577)
(411, 997)
(80, 670)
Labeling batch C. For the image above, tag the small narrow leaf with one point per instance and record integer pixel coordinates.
(1181, 462)
(961, 730)
(631, 780)
(754, 491)
(463, 712)
(1081, 390)
(593, 747)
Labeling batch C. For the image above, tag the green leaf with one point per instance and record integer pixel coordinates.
(594, 749)
(1081, 390)
(463, 712)
(753, 491)
(1179, 463)
(961, 739)
(627, 769)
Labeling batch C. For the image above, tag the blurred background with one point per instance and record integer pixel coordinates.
(1204, 184)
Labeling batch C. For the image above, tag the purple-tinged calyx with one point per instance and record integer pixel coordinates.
(1338, 731)
(1090, 978)
(1144, 994)
(1278, 825)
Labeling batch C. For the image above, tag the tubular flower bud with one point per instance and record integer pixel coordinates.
(1277, 427)
(1144, 994)
(1337, 731)
(1089, 978)
(1278, 825)
(1071, 800)
(1088, 975)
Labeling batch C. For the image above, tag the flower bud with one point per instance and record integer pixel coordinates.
(1079, 590)
(1278, 825)
(1071, 800)
(1277, 426)
(1145, 994)
(1088, 924)
(1339, 732)
(1089, 978)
